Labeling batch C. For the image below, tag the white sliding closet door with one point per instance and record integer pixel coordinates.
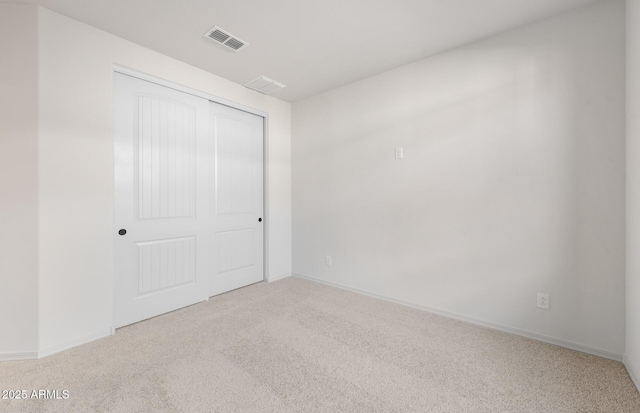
(162, 158)
(237, 225)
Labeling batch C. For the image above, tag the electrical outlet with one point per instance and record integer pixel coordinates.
(327, 260)
(543, 301)
(399, 152)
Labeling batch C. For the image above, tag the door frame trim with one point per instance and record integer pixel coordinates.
(265, 142)
(172, 85)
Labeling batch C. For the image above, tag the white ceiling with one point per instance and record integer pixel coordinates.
(309, 45)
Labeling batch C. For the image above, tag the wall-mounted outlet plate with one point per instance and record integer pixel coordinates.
(327, 260)
(399, 152)
(543, 301)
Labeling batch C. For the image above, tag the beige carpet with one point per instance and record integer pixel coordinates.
(295, 345)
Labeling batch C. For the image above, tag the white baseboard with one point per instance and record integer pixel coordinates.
(484, 323)
(29, 355)
(278, 277)
(632, 373)
(76, 342)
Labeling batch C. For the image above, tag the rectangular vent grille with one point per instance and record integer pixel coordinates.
(226, 39)
(219, 36)
(235, 44)
(265, 85)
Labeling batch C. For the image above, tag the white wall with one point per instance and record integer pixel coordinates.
(76, 171)
(18, 180)
(279, 176)
(632, 348)
(512, 181)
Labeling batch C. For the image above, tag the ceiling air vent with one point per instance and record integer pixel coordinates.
(226, 39)
(265, 85)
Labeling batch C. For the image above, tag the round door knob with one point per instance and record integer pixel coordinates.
(122, 231)
(259, 219)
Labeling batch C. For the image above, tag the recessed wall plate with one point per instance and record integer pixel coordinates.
(543, 301)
